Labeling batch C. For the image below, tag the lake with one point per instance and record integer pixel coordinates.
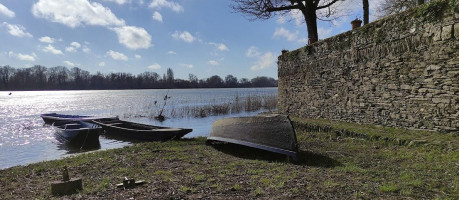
(24, 138)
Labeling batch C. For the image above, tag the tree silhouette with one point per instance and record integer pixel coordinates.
(265, 9)
(366, 12)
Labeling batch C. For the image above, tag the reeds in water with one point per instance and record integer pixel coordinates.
(237, 105)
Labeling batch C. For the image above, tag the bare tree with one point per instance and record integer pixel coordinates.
(389, 7)
(265, 9)
(366, 12)
(6, 72)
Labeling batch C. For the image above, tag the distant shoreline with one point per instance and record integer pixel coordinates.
(12, 91)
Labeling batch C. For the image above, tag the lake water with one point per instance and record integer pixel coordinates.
(25, 139)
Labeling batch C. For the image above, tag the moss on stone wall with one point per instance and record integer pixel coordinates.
(432, 11)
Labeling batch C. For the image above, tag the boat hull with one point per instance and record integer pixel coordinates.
(131, 130)
(272, 133)
(78, 133)
(50, 118)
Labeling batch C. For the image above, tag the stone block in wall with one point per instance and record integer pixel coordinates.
(456, 30)
(447, 32)
(437, 33)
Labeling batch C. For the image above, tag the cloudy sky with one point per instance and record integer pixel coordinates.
(200, 37)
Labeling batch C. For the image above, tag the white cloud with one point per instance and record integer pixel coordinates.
(116, 55)
(73, 47)
(86, 49)
(68, 63)
(297, 16)
(266, 61)
(324, 33)
(281, 19)
(213, 62)
(158, 4)
(75, 44)
(252, 52)
(16, 30)
(157, 16)
(51, 49)
(186, 65)
(154, 66)
(133, 37)
(76, 13)
(171, 52)
(289, 36)
(374, 11)
(47, 39)
(120, 2)
(5, 11)
(219, 46)
(101, 64)
(185, 36)
(137, 56)
(26, 57)
(344, 20)
(23, 57)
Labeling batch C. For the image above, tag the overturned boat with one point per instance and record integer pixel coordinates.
(270, 132)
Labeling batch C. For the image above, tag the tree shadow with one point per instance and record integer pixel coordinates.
(304, 158)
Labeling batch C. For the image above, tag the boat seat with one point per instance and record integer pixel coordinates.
(114, 124)
(72, 126)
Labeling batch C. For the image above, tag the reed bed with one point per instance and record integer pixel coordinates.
(237, 105)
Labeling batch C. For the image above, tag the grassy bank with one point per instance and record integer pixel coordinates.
(342, 161)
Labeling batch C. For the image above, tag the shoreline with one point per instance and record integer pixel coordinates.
(329, 166)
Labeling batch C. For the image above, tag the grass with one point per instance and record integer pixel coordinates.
(329, 166)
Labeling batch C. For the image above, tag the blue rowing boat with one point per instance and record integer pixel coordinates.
(78, 133)
(51, 118)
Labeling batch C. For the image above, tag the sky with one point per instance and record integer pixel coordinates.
(200, 37)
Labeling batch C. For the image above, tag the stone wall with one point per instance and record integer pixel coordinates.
(401, 71)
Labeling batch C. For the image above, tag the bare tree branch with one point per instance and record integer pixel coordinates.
(327, 5)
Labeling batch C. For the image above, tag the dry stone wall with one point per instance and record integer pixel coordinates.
(401, 71)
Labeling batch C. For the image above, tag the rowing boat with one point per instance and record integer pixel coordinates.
(131, 130)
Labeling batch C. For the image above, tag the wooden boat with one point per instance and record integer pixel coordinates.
(131, 130)
(78, 133)
(270, 132)
(50, 118)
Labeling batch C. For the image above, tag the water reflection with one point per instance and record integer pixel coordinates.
(72, 148)
(24, 139)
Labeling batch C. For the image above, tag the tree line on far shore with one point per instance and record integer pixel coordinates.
(61, 78)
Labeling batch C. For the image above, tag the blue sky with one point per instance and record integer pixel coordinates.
(200, 37)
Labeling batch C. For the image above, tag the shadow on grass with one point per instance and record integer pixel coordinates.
(316, 160)
(304, 157)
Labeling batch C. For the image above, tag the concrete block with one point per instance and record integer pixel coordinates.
(71, 186)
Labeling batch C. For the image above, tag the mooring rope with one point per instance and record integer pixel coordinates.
(84, 142)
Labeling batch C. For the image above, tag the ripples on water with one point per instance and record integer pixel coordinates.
(25, 139)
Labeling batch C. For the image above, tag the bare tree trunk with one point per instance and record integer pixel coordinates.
(310, 17)
(366, 12)
(421, 2)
